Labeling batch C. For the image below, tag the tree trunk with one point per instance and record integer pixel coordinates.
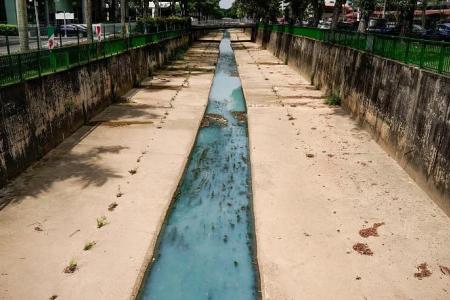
(318, 11)
(364, 20)
(123, 16)
(174, 7)
(336, 12)
(157, 11)
(87, 13)
(424, 13)
(22, 24)
(408, 18)
(185, 7)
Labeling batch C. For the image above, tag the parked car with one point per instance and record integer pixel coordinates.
(324, 25)
(442, 32)
(72, 30)
(381, 26)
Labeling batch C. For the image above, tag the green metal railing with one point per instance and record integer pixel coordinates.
(429, 55)
(19, 67)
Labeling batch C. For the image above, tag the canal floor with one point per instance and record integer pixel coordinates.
(205, 250)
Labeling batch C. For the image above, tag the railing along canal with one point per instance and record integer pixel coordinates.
(425, 54)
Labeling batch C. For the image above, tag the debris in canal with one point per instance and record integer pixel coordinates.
(240, 116)
(210, 120)
(371, 231)
(133, 171)
(362, 249)
(423, 271)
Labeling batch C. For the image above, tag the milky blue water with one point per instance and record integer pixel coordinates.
(205, 249)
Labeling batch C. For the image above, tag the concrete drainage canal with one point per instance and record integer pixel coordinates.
(206, 248)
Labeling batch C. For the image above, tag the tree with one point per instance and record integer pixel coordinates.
(336, 12)
(406, 8)
(317, 6)
(22, 24)
(366, 7)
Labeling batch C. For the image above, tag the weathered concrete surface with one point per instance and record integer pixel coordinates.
(405, 108)
(63, 194)
(318, 179)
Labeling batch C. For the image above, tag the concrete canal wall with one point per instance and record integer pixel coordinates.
(405, 108)
(36, 115)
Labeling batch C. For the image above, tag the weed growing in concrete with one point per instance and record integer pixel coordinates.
(333, 99)
(102, 221)
(88, 246)
(119, 193)
(72, 267)
(112, 206)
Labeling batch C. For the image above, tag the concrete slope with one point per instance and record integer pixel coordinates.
(133, 154)
(318, 180)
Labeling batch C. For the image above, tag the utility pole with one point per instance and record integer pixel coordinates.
(22, 24)
(36, 14)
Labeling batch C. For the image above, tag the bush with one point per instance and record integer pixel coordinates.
(8, 29)
(153, 23)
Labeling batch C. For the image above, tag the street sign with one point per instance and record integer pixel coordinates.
(98, 31)
(64, 16)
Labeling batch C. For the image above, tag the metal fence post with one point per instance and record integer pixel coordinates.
(422, 55)
(78, 45)
(7, 45)
(19, 60)
(38, 57)
(441, 59)
(408, 45)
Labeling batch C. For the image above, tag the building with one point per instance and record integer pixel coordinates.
(48, 8)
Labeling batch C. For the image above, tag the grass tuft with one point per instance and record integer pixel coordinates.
(102, 221)
(88, 246)
(72, 267)
(333, 99)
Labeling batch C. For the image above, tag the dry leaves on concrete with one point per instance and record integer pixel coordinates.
(362, 249)
(371, 231)
(423, 271)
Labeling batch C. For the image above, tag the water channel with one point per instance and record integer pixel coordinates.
(206, 247)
